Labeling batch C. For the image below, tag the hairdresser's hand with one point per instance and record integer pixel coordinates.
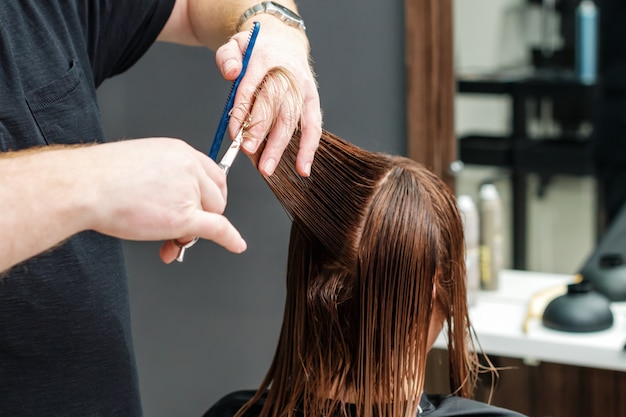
(145, 189)
(159, 188)
(277, 45)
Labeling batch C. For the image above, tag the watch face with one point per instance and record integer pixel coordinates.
(285, 14)
(275, 9)
(286, 11)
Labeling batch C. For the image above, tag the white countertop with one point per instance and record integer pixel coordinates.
(498, 317)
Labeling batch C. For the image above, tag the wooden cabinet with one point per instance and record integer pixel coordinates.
(543, 389)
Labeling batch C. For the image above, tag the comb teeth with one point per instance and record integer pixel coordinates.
(221, 128)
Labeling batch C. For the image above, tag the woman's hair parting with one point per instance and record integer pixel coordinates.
(376, 250)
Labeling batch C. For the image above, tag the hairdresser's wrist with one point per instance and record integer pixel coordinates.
(278, 11)
(271, 25)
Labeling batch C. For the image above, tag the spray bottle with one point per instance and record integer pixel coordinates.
(490, 236)
(471, 229)
(587, 41)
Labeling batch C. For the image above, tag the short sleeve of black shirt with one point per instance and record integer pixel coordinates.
(120, 33)
(56, 53)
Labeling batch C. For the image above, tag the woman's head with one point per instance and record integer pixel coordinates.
(376, 265)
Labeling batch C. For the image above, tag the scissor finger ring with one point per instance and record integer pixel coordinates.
(182, 248)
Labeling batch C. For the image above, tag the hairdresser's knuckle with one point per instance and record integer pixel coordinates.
(221, 229)
(310, 147)
(258, 130)
(217, 208)
(222, 194)
(246, 90)
(311, 138)
(219, 197)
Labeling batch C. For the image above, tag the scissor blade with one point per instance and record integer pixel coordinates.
(229, 157)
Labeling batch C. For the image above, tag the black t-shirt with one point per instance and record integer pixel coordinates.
(431, 406)
(65, 340)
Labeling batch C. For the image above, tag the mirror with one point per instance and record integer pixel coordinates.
(557, 199)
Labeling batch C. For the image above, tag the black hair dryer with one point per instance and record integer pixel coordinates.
(606, 267)
(580, 310)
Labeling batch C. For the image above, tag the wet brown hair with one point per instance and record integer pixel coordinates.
(374, 237)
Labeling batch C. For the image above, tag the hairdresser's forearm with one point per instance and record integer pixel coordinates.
(43, 202)
(210, 22)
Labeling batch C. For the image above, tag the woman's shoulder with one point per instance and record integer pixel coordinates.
(432, 406)
(228, 405)
(452, 406)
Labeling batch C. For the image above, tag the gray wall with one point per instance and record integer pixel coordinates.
(209, 326)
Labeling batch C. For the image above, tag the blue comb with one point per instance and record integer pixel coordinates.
(223, 125)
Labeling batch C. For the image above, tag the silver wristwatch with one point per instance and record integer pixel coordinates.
(278, 10)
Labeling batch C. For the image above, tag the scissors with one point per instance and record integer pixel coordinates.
(229, 157)
(225, 163)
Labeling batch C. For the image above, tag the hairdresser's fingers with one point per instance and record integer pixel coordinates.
(170, 250)
(261, 117)
(274, 50)
(229, 58)
(208, 226)
(277, 140)
(311, 131)
(280, 100)
(279, 105)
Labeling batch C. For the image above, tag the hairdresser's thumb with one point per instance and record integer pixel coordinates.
(228, 59)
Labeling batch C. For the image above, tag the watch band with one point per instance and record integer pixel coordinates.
(279, 11)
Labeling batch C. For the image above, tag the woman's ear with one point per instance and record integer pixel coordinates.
(437, 317)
